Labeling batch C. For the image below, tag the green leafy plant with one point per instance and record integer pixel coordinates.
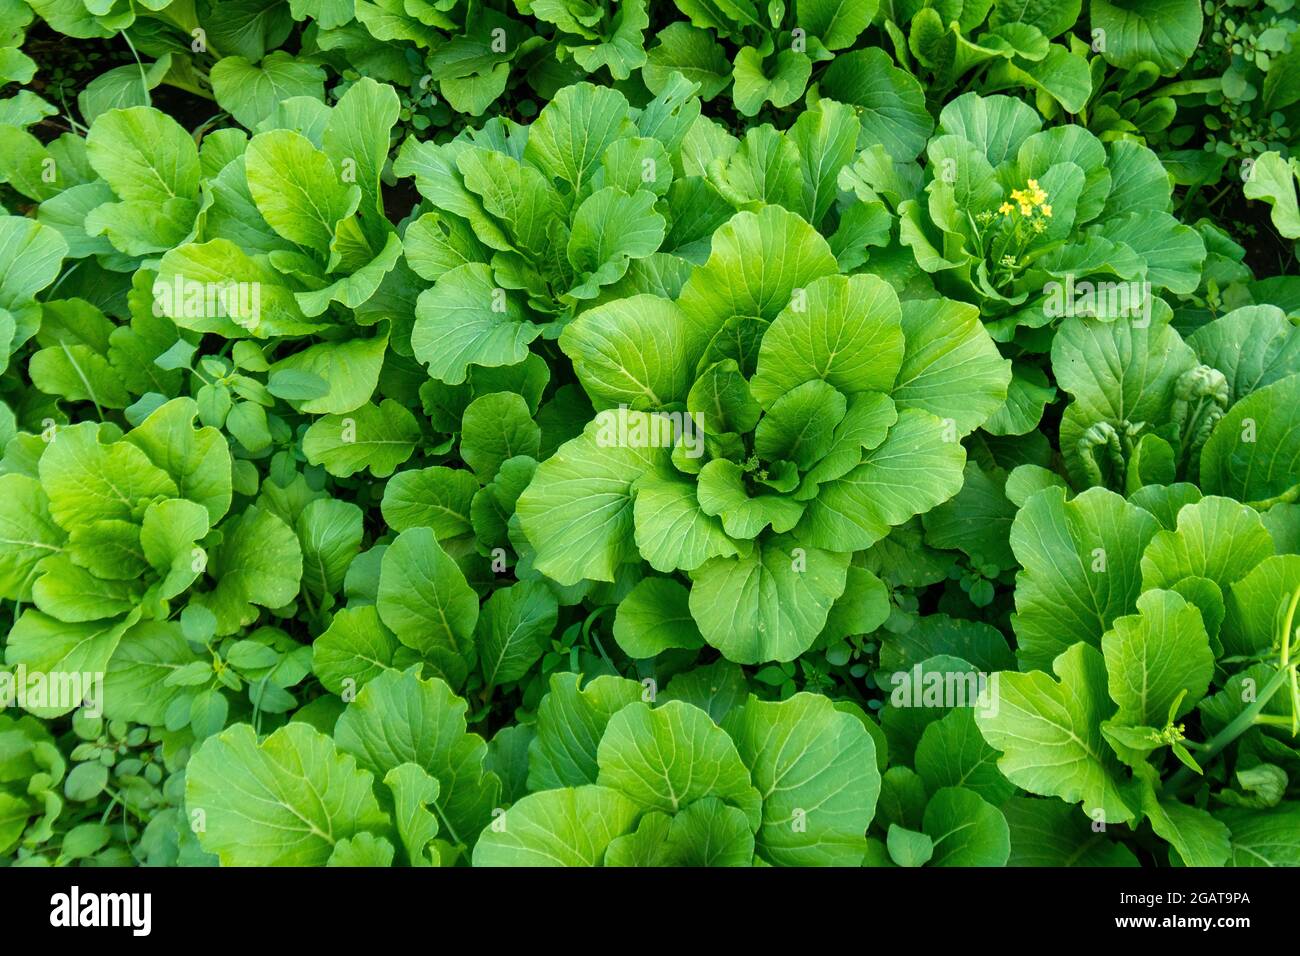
(620, 434)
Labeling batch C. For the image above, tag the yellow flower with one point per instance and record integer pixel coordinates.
(1005, 208)
(1026, 209)
(1046, 210)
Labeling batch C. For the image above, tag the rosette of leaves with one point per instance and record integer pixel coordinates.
(1150, 408)
(673, 784)
(402, 781)
(823, 414)
(987, 235)
(977, 45)
(524, 226)
(775, 46)
(399, 780)
(296, 212)
(107, 532)
(1157, 685)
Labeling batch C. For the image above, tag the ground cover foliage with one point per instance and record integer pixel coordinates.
(694, 433)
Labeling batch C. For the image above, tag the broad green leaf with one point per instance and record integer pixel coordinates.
(514, 629)
(826, 137)
(87, 480)
(350, 370)
(28, 534)
(30, 257)
(436, 497)
(1048, 832)
(571, 134)
(397, 719)
(670, 756)
(1049, 732)
(918, 466)
(495, 428)
(413, 790)
(815, 769)
(908, 847)
(1272, 179)
(356, 139)
(723, 491)
(977, 520)
(1256, 603)
(144, 155)
(378, 437)
(672, 531)
(1155, 657)
(253, 92)
(843, 330)
(966, 830)
(286, 801)
(570, 723)
(197, 459)
(577, 512)
(1216, 538)
(364, 849)
(567, 827)
(799, 427)
(981, 644)
(259, 562)
(135, 685)
(610, 228)
(297, 190)
(950, 367)
(1264, 837)
(1251, 453)
(836, 23)
(330, 532)
(952, 753)
(354, 649)
(639, 351)
(424, 599)
(1080, 563)
(654, 617)
(70, 593)
(1197, 837)
(998, 125)
(769, 605)
(48, 646)
(691, 52)
(196, 271)
(757, 262)
(121, 87)
(779, 81)
(1164, 32)
(467, 319)
(890, 102)
(1253, 346)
